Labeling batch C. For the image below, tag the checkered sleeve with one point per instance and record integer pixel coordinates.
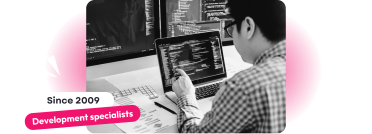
(230, 113)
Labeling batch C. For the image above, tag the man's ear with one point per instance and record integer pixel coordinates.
(250, 27)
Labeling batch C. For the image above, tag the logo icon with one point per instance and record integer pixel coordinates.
(42, 71)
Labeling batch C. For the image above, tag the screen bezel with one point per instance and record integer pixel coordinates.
(138, 54)
(158, 42)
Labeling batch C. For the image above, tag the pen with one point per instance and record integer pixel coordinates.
(160, 105)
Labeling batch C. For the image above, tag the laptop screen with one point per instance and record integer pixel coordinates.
(199, 55)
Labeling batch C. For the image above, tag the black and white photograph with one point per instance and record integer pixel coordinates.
(190, 66)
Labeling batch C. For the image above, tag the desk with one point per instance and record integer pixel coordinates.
(148, 76)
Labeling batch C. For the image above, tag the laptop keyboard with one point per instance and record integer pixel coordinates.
(207, 91)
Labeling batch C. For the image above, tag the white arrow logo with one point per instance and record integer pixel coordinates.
(52, 61)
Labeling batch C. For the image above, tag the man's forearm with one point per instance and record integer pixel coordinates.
(189, 112)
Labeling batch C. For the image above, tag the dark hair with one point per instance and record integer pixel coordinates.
(268, 15)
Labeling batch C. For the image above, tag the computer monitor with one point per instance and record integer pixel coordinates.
(184, 17)
(120, 29)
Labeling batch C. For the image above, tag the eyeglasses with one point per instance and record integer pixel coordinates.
(228, 29)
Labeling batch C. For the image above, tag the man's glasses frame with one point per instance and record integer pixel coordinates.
(226, 28)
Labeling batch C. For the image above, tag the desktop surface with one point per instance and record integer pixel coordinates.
(149, 74)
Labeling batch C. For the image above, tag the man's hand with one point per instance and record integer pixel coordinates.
(183, 86)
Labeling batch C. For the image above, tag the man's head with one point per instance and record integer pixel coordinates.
(257, 25)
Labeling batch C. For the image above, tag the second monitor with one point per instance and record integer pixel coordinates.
(184, 17)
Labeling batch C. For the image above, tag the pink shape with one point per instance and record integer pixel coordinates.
(82, 117)
(304, 70)
(69, 51)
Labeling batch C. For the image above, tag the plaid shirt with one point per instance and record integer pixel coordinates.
(252, 101)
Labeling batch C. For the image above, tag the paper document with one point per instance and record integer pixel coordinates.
(152, 119)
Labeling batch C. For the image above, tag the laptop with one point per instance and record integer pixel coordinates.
(199, 55)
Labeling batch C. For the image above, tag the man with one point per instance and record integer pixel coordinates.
(253, 100)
